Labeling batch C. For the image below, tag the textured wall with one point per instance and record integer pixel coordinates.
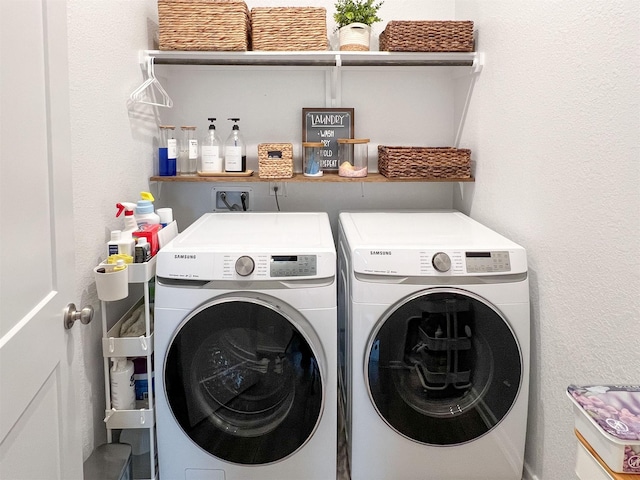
(554, 122)
(104, 40)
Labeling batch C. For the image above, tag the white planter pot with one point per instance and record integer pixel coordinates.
(355, 36)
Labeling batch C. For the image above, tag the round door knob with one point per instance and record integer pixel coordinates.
(245, 266)
(70, 315)
(441, 262)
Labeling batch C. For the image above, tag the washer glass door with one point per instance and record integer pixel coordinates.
(443, 367)
(243, 380)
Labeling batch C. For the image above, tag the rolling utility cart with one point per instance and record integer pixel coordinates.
(139, 422)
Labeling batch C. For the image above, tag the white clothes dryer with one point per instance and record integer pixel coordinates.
(246, 349)
(433, 315)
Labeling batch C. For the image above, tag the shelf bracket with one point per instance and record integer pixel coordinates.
(478, 63)
(335, 99)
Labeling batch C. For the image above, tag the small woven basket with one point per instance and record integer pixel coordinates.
(275, 160)
(289, 28)
(424, 162)
(427, 36)
(213, 25)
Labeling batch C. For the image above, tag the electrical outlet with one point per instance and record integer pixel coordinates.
(232, 199)
(280, 186)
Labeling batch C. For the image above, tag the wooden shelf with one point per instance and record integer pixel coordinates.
(298, 177)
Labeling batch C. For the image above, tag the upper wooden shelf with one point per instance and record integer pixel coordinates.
(298, 177)
(319, 58)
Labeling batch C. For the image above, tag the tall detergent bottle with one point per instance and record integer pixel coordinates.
(144, 211)
(210, 154)
(123, 392)
(235, 156)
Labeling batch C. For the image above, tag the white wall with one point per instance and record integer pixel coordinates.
(554, 124)
(554, 129)
(108, 162)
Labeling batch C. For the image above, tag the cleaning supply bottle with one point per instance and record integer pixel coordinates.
(235, 157)
(128, 208)
(123, 393)
(210, 154)
(142, 251)
(121, 242)
(144, 211)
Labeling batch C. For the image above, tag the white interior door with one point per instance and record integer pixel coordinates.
(38, 436)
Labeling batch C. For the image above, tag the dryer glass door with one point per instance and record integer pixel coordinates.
(443, 367)
(243, 381)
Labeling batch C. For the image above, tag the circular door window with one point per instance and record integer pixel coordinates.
(243, 381)
(444, 367)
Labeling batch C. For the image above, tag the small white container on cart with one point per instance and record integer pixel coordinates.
(608, 418)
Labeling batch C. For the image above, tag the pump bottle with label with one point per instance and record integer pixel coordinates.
(235, 157)
(210, 154)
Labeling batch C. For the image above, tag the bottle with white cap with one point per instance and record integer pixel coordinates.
(144, 212)
(123, 393)
(166, 216)
(143, 251)
(121, 242)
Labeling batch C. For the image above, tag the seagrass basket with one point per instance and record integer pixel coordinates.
(289, 28)
(275, 160)
(424, 162)
(427, 36)
(214, 25)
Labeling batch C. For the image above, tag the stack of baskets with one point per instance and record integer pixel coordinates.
(227, 25)
(424, 162)
(427, 36)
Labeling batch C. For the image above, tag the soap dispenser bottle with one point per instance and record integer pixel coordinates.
(210, 154)
(235, 157)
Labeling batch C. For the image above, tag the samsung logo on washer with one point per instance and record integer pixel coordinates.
(182, 256)
(380, 252)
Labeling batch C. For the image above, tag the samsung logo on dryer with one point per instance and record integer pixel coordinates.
(380, 252)
(182, 256)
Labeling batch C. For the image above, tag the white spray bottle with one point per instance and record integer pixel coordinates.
(130, 224)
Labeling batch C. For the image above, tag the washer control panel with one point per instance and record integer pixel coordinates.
(293, 265)
(488, 262)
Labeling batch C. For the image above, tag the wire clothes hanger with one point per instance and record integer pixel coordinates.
(150, 90)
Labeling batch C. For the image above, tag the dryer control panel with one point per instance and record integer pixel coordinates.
(487, 262)
(293, 265)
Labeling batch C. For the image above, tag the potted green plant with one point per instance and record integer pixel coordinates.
(354, 19)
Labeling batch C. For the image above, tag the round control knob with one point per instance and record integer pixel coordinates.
(441, 262)
(245, 266)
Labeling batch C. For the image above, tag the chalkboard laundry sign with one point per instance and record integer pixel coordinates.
(327, 125)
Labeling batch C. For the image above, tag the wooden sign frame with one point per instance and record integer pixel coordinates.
(327, 125)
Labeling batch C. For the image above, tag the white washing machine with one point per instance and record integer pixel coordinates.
(433, 313)
(246, 349)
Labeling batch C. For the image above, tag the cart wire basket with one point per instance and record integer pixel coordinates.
(289, 28)
(424, 162)
(213, 25)
(427, 36)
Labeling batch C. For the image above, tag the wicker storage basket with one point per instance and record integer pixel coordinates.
(275, 160)
(215, 25)
(425, 162)
(289, 28)
(427, 36)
